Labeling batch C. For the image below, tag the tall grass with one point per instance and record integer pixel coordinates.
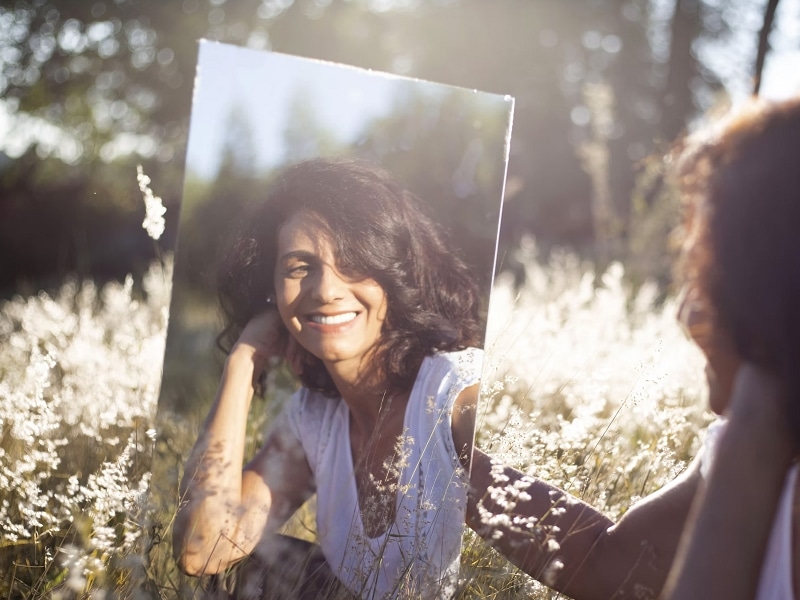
(587, 385)
(79, 378)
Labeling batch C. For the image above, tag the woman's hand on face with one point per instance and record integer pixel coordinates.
(261, 341)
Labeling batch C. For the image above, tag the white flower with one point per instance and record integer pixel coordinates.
(154, 209)
(551, 571)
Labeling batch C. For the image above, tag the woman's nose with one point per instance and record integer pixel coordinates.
(329, 286)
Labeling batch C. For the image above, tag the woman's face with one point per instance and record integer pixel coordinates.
(722, 361)
(337, 318)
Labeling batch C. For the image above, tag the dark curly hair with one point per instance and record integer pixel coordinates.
(379, 230)
(741, 182)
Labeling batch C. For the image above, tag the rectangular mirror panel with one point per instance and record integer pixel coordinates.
(350, 220)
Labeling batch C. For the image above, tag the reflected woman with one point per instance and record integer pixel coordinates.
(340, 273)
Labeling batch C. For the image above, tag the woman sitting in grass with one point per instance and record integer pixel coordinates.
(340, 272)
(730, 518)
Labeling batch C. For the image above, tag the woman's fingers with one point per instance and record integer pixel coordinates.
(269, 343)
(262, 337)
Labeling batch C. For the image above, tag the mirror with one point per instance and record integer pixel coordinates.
(255, 115)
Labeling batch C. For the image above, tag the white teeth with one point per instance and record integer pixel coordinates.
(333, 319)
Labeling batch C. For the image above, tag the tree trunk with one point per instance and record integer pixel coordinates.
(677, 101)
(763, 43)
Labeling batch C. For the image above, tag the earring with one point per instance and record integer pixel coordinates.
(270, 300)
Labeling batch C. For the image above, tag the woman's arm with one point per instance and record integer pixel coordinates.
(463, 423)
(732, 517)
(570, 545)
(225, 509)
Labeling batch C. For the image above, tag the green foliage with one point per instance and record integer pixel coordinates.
(115, 78)
(445, 148)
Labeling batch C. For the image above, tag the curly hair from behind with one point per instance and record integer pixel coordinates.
(741, 183)
(379, 230)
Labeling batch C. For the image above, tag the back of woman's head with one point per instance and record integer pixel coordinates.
(743, 185)
(379, 230)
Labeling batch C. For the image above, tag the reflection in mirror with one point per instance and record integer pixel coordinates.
(335, 256)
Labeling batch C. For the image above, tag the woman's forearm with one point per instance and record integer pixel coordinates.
(214, 526)
(732, 517)
(541, 529)
(572, 546)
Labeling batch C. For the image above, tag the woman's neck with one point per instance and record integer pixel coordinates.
(366, 392)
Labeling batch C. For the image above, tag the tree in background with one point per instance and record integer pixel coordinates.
(96, 87)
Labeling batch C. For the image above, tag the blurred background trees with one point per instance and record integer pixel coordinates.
(88, 89)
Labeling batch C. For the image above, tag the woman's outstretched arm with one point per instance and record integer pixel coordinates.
(733, 514)
(225, 509)
(572, 546)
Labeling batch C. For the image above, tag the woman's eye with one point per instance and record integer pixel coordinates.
(298, 271)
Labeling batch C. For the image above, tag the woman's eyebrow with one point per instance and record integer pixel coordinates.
(304, 255)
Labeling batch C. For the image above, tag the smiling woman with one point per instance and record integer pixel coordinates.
(337, 318)
(340, 272)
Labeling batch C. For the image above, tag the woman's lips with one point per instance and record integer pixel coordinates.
(329, 320)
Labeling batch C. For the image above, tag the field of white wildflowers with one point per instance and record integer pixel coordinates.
(79, 380)
(587, 385)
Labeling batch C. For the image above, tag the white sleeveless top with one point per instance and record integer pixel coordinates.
(775, 581)
(418, 555)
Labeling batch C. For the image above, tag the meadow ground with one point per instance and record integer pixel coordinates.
(587, 385)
